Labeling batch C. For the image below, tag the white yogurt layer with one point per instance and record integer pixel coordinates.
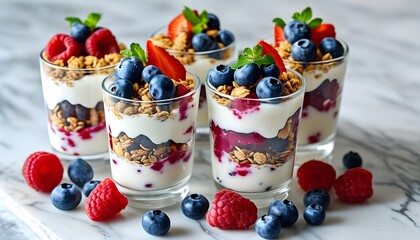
(314, 79)
(144, 178)
(85, 91)
(258, 179)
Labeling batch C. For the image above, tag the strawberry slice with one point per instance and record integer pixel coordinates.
(324, 30)
(278, 35)
(168, 64)
(178, 25)
(62, 46)
(268, 49)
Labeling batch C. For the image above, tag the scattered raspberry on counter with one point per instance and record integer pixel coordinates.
(354, 186)
(316, 174)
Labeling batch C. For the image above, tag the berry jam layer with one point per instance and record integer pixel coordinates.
(139, 164)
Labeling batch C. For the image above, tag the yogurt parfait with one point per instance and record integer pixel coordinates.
(199, 42)
(72, 69)
(151, 104)
(311, 48)
(254, 111)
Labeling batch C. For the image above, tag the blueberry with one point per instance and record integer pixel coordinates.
(161, 87)
(314, 214)
(225, 37)
(66, 196)
(122, 88)
(82, 113)
(247, 75)
(144, 142)
(79, 31)
(268, 227)
(269, 87)
(332, 46)
(67, 109)
(149, 72)
(195, 206)
(130, 69)
(296, 30)
(285, 210)
(89, 186)
(80, 172)
(278, 144)
(202, 42)
(156, 222)
(213, 22)
(317, 196)
(270, 70)
(352, 160)
(303, 50)
(220, 75)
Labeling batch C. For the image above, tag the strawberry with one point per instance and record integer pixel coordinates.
(62, 47)
(230, 210)
(268, 49)
(168, 64)
(101, 42)
(354, 186)
(178, 25)
(42, 171)
(316, 174)
(181, 90)
(278, 35)
(105, 201)
(322, 31)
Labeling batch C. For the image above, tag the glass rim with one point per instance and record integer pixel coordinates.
(301, 90)
(270, 40)
(230, 46)
(44, 61)
(193, 91)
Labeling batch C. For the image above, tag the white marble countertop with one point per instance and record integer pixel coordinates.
(379, 117)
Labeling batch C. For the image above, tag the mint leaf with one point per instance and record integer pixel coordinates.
(199, 22)
(92, 20)
(296, 16)
(266, 59)
(190, 16)
(254, 55)
(314, 23)
(306, 14)
(279, 22)
(72, 20)
(126, 53)
(135, 51)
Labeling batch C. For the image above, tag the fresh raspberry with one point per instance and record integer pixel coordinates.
(354, 186)
(230, 210)
(181, 90)
(62, 46)
(42, 171)
(316, 174)
(105, 201)
(101, 42)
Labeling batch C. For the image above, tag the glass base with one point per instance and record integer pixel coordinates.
(90, 157)
(202, 134)
(319, 151)
(264, 199)
(156, 199)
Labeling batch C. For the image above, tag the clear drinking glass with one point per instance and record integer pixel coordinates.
(253, 142)
(151, 145)
(73, 99)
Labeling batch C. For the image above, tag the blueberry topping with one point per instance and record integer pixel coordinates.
(247, 75)
(130, 69)
(79, 31)
(220, 75)
(225, 37)
(352, 160)
(80, 172)
(66, 196)
(149, 72)
(195, 206)
(82, 113)
(270, 70)
(303, 50)
(269, 87)
(156, 222)
(268, 227)
(89, 186)
(67, 109)
(296, 30)
(317, 196)
(122, 88)
(213, 22)
(202, 42)
(161, 87)
(314, 214)
(332, 46)
(285, 210)
(278, 144)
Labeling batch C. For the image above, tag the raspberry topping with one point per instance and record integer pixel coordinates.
(42, 171)
(230, 210)
(105, 201)
(62, 47)
(354, 186)
(101, 42)
(316, 174)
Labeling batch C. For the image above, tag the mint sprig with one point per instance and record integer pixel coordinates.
(135, 51)
(304, 16)
(253, 56)
(199, 22)
(91, 20)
